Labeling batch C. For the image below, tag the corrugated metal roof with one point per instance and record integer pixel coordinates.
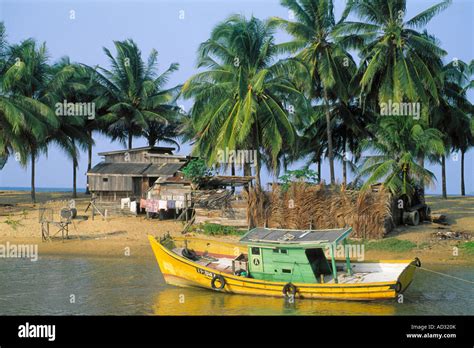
(163, 168)
(156, 149)
(287, 236)
(136, 169)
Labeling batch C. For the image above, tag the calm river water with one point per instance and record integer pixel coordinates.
(126, 286)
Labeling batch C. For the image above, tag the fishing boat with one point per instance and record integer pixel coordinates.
(281, 262)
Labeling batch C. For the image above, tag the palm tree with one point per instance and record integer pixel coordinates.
(240, 100)
(398, 63)
(330, 66)
(451, 115)
(396, 146)
(134, 94)
(27, 80)
(72, 135)
(350, 130)
(157, 132)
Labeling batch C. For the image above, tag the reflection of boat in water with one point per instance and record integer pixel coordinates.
(276, 262)
(182, 301)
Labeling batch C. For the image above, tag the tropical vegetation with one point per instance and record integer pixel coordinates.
(322, 95)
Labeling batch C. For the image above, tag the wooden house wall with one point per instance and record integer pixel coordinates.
(113, 183)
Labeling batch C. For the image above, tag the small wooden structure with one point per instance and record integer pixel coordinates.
(176, 189)
(215, 203)
(130, 173)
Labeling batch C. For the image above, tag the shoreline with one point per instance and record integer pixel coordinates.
(140, 249)
(119, 235)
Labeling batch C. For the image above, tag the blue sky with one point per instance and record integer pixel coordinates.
(157, 24)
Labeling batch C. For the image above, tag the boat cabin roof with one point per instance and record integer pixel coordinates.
(261, 235)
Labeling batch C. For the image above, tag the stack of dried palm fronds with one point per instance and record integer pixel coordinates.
(212, 199)
(305, 206)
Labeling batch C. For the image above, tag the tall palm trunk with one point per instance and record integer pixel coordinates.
(257, 172)
(258, 159)
(33, 191)
(443, 176)
(329, 135)
(421, 163)
(89, 160)
(344, 163)
(130, 137)
(232, 172)
(247, 172)
(74, 178)
(463, 187)
(319, 170)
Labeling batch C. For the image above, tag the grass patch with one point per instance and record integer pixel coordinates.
(390, 244)
(217, 230)
(468, 247)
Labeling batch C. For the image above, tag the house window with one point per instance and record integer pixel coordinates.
(105, 179)
(283, 251)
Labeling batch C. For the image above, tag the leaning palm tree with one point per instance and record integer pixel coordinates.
(330, 66)
(134, 93)
(239, 101)
(27, 79)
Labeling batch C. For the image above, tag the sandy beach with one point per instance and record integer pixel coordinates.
(128, 234)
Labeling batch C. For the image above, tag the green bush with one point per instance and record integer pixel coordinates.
(196, 171)
(468, 247)
(390, 244)
(217, 230)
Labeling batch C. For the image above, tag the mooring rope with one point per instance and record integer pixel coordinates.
(446, 275)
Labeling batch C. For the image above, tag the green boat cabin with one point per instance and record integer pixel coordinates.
(293, 255)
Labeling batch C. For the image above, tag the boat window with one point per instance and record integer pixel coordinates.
(255, 251)
(286, 270)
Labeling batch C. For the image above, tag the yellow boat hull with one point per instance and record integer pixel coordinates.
(180, 271)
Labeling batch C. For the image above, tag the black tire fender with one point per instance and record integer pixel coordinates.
(189, 254)
(289, 290)
(221, 280)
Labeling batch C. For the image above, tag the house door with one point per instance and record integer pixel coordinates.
(137, 187)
